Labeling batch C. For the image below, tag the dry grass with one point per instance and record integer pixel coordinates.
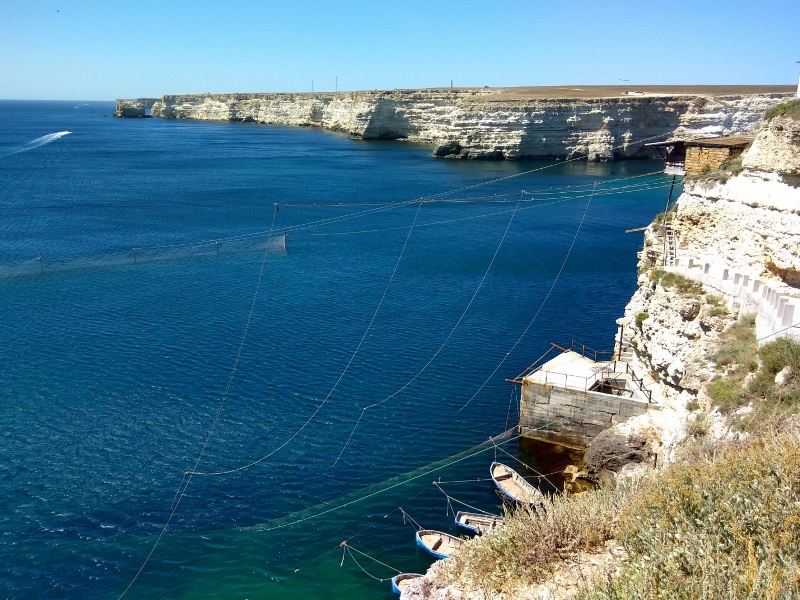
(725, 525)
(616, 91)
(532, 545)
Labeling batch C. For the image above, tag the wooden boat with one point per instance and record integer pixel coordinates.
(513, 486)
(438, 544)
(477, 522)
(401, 580)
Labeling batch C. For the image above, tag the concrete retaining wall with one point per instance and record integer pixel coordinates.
(572, 417)
(776, 305)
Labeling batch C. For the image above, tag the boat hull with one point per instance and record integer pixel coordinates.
(399, 580)
(507, 479)
(476, 522)
(437, 544)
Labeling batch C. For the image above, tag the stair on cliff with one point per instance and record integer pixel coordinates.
(672, 245)
(665, 250)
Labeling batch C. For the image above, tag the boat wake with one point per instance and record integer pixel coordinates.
(33, 144)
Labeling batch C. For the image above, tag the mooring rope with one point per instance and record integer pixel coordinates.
(443, 344)
(541, 305)
(350, 549)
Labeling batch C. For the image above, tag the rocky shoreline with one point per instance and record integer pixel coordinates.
(489, 124)
(747, 219)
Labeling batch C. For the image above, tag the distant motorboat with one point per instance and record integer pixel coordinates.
(513, 486)
(440, 545)
(477, 522)
(401, 580)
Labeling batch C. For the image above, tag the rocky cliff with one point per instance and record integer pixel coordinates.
(487, 123)
(730, 246)
(734, 238)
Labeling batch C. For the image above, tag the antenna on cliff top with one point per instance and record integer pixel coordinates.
(798, 81)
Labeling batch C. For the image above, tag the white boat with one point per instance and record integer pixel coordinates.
(441, 545)
(513, 486)
(477, 522)
(401, 580)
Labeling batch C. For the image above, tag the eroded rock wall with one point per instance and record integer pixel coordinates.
(477, 123)
(746, 223)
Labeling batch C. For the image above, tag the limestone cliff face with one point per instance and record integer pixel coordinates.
(737, 235)
(745, 224)
(479, 123)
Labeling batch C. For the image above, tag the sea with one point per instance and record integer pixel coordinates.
(249, 361)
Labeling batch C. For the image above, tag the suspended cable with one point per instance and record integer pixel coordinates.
(187, 477)
(443, 344)
(344, 371)
(539, 310)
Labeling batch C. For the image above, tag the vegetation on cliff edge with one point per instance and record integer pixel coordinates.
(723, 521)
(789, 109)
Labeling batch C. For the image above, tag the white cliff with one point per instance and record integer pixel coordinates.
(744, 221)
(487, 123)
(741, 235)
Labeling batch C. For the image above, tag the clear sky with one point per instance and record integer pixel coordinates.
(92, 50)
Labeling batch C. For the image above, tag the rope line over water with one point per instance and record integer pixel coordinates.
(441, 347)
(186, 479)
(137, 254)
(344, 371)
(541, 306)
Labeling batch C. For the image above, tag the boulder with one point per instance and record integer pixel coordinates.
(448, 149)
(610, 451)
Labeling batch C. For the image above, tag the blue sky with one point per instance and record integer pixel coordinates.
(91, 50)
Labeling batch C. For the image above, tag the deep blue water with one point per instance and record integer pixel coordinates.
(130, 255)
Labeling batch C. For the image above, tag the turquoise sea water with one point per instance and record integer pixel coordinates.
(130, 256)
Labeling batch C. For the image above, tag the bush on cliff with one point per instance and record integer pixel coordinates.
(532, 544)
(683, 285)
(789, 109)
(723, 525)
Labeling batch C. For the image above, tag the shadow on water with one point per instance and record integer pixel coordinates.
(548, 459)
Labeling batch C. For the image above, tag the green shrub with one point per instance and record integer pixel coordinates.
(683, 285)
(727, 393)
(738, 347)
(775, 357)
(727, 527)
(718, 311)
(662, 217)
(787, 109)
(640, 318)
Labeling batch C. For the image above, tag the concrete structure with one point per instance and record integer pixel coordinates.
(710, 154)
(775, 304)
(572, 398)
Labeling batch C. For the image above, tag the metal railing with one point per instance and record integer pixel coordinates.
(639, 382)
(586, 352)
